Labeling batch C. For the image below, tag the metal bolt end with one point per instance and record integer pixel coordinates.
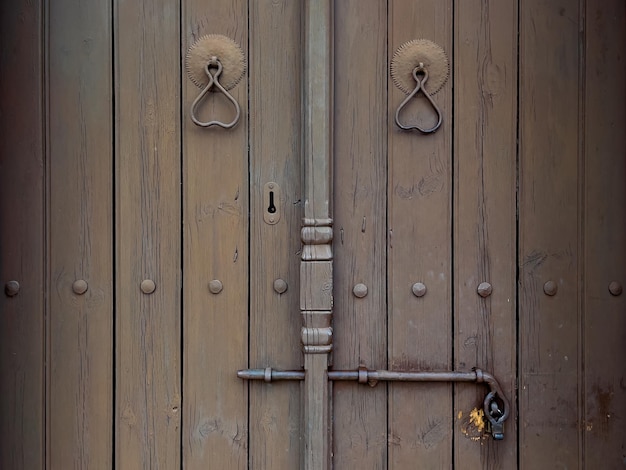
(418, 289)
(280, 286)
(80, 287)
(484, 289)
(360, 291)
(11, 288)
(148, 286)
(615, 288)
(215, 286)
(550, 288)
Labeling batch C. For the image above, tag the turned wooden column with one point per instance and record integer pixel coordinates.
(316, 296)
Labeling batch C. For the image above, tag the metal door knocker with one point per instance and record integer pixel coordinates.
(215, 63)
(418, 66)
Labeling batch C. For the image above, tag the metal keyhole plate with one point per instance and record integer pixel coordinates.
(271, 203)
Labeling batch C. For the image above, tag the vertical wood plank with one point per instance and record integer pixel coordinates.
(485, 127)
(22, 229)
(360, 141)
(548, 234)
(420, 247)
(275, 143)
(148, 218)
(80, 163)
(215, 188)
(605, 234)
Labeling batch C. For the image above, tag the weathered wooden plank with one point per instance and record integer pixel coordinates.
(22, 230)
(485, 103)
(215, 177)
(80, 152)
(148, 236)
(275, 84)
(604, 234)
(550, 325)
(360, 141)
(419, 244)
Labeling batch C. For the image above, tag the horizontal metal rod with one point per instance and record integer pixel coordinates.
(270, 375)
(496, 413)
(370, 376)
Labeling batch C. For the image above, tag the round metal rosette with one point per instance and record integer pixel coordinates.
(227, 52)
(409, 56)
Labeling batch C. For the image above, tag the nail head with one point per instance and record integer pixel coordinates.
(11, 288)
(419, 289)
(148, 286)
(215, 286)
(80, 287)
(550, 288)
(280, 286)
(484, 289)
(615, 288)
(360, 291)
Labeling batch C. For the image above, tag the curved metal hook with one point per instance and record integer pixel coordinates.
(420, 69)
(214, 81)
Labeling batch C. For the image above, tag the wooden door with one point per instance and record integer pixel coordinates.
(140, 271)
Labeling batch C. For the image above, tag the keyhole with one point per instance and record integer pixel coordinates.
(272, 208)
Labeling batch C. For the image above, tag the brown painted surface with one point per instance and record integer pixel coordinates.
(419, 250)
(550, 182)
(148, 235)
(360, 324)
(275, 74)
(215, 245)
(105, 179)
(80, 231)
(602, 203)
(485, 81)
(22, 236)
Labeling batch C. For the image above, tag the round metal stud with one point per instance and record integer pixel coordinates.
(216, 286)
(418, 289)
(360, 291)
(11, 288)
(80, 287)
(484, 289)
(148, 286)
(280, 286)
(615, 288)
(550, 288)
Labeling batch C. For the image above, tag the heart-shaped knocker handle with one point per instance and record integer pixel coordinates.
(420, 74)
(214, 82)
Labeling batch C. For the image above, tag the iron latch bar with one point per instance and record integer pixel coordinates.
(495, 405)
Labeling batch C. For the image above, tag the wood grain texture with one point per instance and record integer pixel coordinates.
(80, 151)
(485, 125)
(148, 234)
(550, 326)
(360, 184)
(22, 236)
(419, 246)
(275, 62)
(604, 234)
(215, 221)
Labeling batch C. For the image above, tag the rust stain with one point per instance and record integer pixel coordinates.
(474, 425)
(603, 398)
